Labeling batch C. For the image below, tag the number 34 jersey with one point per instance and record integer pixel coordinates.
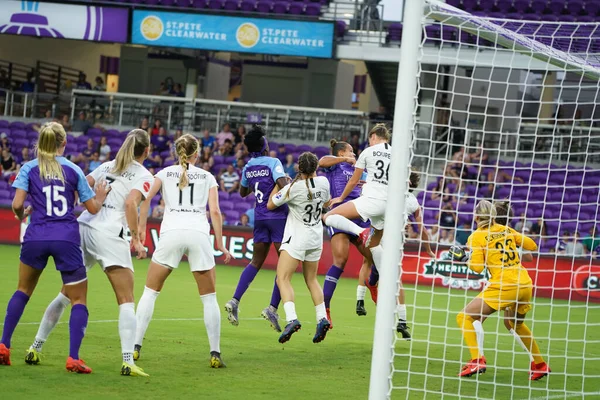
(185, 208)
(303, 227)
(260, 176)
(376, 160)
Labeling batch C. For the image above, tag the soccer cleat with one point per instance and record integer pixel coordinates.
(328, 311)
(137, 352)
(270, 314)
(360, 307)
(216, 361)
(373, 290)
(322, 327)
(132, 370)
(538, 371)
(33, 357)
(473, 367)
(403, 329)
(365, 237)
(232, 308)
(77, 366)
(4, 355)
(289, 330)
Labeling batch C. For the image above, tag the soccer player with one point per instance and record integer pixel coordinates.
(52, 184)
(186, 190)
(495, 246)
(303, 242)
(260, 175)
(103, 241)
(339, 167)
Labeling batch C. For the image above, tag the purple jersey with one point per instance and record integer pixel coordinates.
(53, 202)
(260, 175)
(338, 176)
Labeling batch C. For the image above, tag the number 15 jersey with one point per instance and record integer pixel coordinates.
(376, 160)
(303, 227)
(260, 176)
(185, 208)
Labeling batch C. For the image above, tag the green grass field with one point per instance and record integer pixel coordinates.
(175, 351)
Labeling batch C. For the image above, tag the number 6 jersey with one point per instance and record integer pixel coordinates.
(303, 227)
(260, 176)
(376, 160)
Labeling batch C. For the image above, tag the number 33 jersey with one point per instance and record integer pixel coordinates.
(185, 208)
(376, 160)
(260, 176)
(303, 227)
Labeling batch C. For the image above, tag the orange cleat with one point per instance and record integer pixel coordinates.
(473, 367)
(538, 371)
(329, 318)
(78, 366)
(373, 290)
(4, 355)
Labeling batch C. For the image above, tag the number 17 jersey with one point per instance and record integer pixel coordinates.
(260, 176)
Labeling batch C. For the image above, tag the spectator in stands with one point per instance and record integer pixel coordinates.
(208, 141)
(230, 180)
(479, 156)
(462, 196)
(28, 85)
(282, 152)
(575, 247)
(226, 149)
(64, 121)
(94, 162)
(250, 214)
(81, 124)
(592, 241)
(86, 153)
(103, 149)
(410, 232)
(441, 190)
(4, 81)
(205, 167)
(290, 167)
(159, 210)
(82, 83)
(244, 221)
(225, 134)
(156, 127)
(447, 216)
(163, 90)
(25, 156)
(4, 143)
(446, 237)
(239, 135)
(161, 141)
(153, 160)
(9, 166)
(206, 158)
(100, 86)
(178, 133)
(462, 234)
(355, 143)
(178, 90)
(538, 227)
(239, 165)
(272, 154)
(561, 245)
(144, 124)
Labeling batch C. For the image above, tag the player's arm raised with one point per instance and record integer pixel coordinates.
(330, 161)
(145, 208)
(217, 222)
(131, 214)
(352, 182)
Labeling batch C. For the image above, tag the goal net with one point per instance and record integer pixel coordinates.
(506, 110)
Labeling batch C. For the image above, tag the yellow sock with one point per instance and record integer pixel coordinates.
(527, 337)
(465, 322)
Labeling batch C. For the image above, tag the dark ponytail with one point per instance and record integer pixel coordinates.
(336, 147)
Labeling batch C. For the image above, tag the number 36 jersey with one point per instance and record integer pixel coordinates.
(303, 227)
(260, 176)
(376, 160)
(185, 208)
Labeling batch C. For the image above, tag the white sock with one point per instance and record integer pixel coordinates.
(290, 311)
(212, 321)
(360, 292)
(127, 325)
(520, 341)
(52, 315)
(343, 224)
(377, 253)
(144, 312)
(401, 311)
(321, 313)
(480, 334)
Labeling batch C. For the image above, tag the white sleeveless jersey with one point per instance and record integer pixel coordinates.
(111, 218)
(185, 209)
(303, 227)
(376, 161)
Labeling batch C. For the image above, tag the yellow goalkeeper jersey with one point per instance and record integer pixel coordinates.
(496, 248)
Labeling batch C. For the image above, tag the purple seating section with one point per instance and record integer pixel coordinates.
(293, 7)
(535, 10)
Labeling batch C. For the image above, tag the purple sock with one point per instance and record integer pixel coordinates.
(14, 311)
(246, 279)
(77, 325)
(275, 296)
(331, 280)
(373, 276)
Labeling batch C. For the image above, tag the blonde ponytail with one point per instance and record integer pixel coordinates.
(485, 213)
(135, 144)
(185, 146)
(52, 137)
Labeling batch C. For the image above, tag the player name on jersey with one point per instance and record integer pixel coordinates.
(191, 175)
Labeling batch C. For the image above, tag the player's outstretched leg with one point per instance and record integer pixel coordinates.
(270, 313)
(52, 315)
(144, 312)
(232, 306)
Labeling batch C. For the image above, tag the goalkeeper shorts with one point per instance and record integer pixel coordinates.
(515, 297)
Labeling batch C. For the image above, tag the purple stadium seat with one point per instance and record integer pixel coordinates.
(4, 123)
(235, 197)
(264, 6)
(231, 5)
(574, 7)
(111, 133)
(199, 3)
(32, 135)
(17, 134)
(304, 147)
(469, 5)
(557, 7)
(215, 4)
(280, 7)
(340, 29)
(521, 6)
(226, 205)
(296, 8)
(290, 148)
(17, 125)
(313, 9)
(247, 5)
(167, 3)
(592, 8)
(183, 3)
(223, 196)
(504, 6)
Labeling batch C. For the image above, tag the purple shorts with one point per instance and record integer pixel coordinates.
(269, 230)
(67, 256)
(358, 221)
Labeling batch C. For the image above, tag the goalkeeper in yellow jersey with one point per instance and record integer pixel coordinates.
(495, 246)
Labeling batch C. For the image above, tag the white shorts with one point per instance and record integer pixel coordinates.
(371, 209)
(103, 249)
(302, 255)
(172, 245)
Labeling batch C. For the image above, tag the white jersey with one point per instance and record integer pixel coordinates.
(185, 209)
(111, 218)
(376, 161)
(303, 227)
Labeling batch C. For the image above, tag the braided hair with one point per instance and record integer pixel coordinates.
(186, 146)
(307, 165)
